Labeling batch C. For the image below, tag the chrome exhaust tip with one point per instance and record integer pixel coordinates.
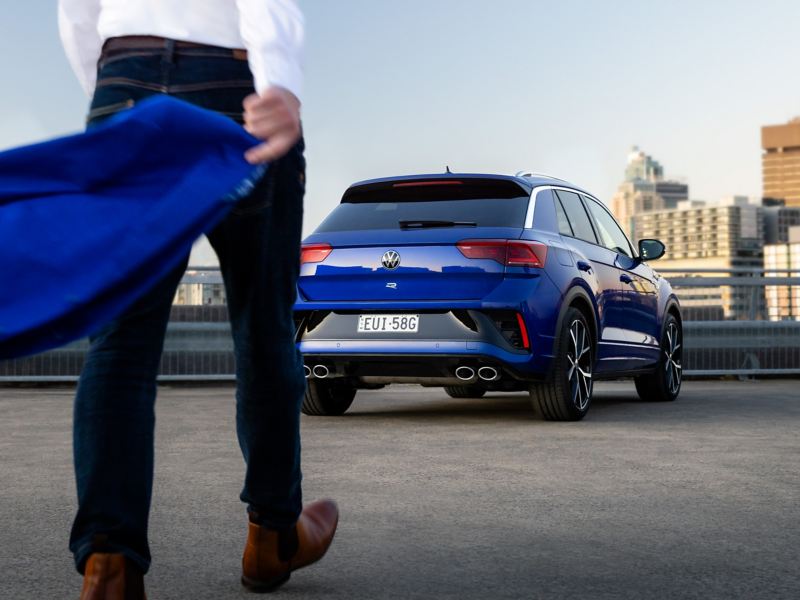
(307, 371)
(321, 371)
(465, 373)
(488, 373)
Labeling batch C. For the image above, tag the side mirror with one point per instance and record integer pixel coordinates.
(651, 249)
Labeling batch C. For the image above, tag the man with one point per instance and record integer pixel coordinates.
(242, 59)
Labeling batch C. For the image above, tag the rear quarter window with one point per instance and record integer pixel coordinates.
(563, 223)
(578, 218)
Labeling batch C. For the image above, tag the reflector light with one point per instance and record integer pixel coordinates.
(314, 253)
(511, 253)
(526, 343)
(426, 183)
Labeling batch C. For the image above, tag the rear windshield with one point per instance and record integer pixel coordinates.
(484, 212)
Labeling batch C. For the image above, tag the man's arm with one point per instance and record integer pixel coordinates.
(273, 32)
(77, 24)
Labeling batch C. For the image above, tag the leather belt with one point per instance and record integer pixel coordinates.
(151, 42)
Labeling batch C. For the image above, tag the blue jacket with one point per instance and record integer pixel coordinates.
(89, 222)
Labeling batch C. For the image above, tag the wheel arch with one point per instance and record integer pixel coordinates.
(673, 308)
(579, 298)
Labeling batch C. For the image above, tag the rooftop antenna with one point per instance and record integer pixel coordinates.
(447, 170)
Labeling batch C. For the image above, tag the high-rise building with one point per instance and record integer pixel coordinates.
(781, 161)
(727, 234)
(777, 222)
(644, 190)
(783, 260)
(720, 236)
(633, 198)
(672, 192)
(643, 167)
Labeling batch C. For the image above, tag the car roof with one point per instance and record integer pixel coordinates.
(527, 181)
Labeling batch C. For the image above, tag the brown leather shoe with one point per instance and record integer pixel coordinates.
(112, 577)
(270, 556)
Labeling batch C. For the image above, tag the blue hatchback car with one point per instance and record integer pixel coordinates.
(481, 283)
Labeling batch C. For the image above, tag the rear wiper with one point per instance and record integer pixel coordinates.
(424, 224)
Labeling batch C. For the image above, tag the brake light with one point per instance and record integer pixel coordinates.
(314, 253)
(511, 253)
(427, 183)
(526, 254)
(496, 250)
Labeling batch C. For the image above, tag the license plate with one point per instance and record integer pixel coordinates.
(388, 323)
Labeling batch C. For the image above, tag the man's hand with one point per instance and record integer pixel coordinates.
(273, 116)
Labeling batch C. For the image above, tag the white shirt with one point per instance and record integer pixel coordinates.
(272, 31)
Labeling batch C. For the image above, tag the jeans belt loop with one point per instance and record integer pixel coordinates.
(169, 51)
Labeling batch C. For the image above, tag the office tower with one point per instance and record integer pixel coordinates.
(783, 260)
(777, 222)
(672, 192)
(781, 161)
(709, 237)
(643, 190)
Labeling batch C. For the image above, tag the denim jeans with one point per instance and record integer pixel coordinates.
(258, 249)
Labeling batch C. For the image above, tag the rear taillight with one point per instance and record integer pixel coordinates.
(314, 253)
(526, 254)
(511, 253)
(492, 249)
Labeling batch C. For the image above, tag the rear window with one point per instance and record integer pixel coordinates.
(489, 212)
(385, 206)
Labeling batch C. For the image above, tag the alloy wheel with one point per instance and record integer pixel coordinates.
(579, 371)
(672, 352)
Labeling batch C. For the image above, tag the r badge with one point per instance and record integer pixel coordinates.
(391, 285)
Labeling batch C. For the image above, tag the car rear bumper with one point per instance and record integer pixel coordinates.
(435, 367)
(445, 341)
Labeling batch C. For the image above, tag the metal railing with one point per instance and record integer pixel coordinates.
(741, 322)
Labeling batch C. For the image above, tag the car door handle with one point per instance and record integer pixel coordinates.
(625, 278)
(584, 266)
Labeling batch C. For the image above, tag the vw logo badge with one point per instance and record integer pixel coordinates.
(390, 259)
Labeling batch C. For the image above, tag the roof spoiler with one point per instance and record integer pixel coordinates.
(433, 187)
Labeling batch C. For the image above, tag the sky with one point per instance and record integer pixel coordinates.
(565, 88)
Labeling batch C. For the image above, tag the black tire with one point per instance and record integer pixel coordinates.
(664, 384)
(327, 398)
(464, 391)
(567, 394)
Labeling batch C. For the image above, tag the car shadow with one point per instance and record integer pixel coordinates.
(498, 406)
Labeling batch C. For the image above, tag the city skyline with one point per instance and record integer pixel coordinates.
(498, 88)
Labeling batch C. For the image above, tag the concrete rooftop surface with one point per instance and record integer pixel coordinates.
(444, 498)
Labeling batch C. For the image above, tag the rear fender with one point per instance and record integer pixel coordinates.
(579, 292)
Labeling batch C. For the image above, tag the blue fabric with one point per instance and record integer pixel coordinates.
(90, 222)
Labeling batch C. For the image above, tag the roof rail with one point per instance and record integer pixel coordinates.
(537, 174)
